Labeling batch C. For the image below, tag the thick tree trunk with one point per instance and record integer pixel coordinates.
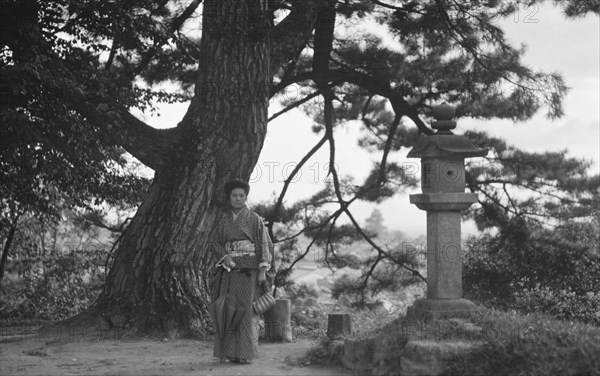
(157, 282)
(6, 248)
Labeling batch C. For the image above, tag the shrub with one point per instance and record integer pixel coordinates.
(563, 304)
(368, 323)
(533, 344)
(513, 344)
(535, 269)
(320, 354)
(309, 317)
(54, 286)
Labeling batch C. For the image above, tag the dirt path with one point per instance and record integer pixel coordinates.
(30, 356)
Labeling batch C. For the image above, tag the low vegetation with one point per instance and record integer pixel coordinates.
(513, 343)
(532, 344)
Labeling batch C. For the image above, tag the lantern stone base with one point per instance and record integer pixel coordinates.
(433, 309)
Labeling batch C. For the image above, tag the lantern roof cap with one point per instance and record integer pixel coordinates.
(445, 144)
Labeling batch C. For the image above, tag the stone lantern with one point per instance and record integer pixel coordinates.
(443, 185)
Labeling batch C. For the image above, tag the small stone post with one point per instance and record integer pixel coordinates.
(278, 326)
(443, 185)
(338, 325)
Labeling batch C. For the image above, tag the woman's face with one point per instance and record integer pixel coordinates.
(237, 198)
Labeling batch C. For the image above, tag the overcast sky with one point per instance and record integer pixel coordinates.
(555, 44)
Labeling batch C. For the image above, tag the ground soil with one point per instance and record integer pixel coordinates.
(35, 355)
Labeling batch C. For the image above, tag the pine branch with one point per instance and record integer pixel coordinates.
(153, 147)
(301, 257)
(388, 6)
(328, 240)
(295, 105)
(387, 147)
(329, 117)
(291, 35)
(288, 181)
(371, 84)
(369, 274)
(175, 25)
(488, 182)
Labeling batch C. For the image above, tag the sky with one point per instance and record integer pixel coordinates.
(554, 44)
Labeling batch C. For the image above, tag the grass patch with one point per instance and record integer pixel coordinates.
(371, 323)
(365, 324)
(514, 344)
(322, 353)
(532, 344)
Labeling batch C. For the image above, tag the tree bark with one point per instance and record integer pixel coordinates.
(7, 244)
(157, 283)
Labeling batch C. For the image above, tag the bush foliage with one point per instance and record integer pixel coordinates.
(532, 344)
(535, 269)
(513, 344)
(53, 286)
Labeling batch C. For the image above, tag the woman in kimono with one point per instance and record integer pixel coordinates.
(245, 253)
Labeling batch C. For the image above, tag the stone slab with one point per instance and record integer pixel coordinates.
(433, 309)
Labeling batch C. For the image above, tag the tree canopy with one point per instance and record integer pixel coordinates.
(74, 73)
(71, 70)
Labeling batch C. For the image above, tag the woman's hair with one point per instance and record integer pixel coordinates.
(236, 183)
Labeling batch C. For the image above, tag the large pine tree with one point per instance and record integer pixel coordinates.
(73, 70)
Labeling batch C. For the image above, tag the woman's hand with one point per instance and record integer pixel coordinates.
(262, 275)
(228, 262)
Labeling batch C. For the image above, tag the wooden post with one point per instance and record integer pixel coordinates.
(278, 327)
(339, 325)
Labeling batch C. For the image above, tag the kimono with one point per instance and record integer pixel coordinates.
(245, 239)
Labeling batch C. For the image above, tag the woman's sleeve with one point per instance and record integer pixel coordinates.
(267, 248)
(218, 247)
